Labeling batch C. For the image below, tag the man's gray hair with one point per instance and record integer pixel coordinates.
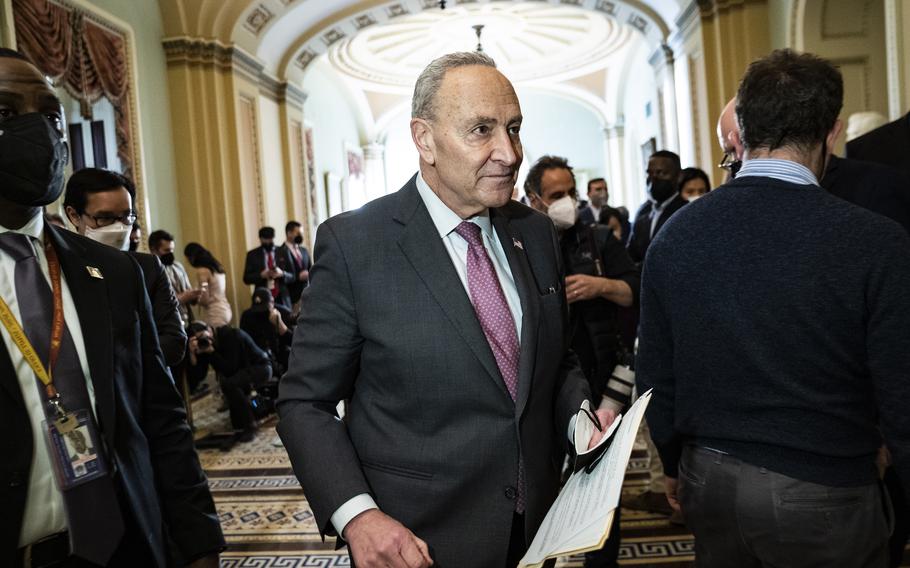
(431, 79)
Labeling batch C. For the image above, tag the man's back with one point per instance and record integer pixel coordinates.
(787, 327)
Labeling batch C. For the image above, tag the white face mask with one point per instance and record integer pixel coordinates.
(692, 198)
(562, 212)
(116, 235)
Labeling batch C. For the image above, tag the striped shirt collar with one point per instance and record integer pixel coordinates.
(783, 170)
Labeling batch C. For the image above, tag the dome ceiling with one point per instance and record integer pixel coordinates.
(529, 41)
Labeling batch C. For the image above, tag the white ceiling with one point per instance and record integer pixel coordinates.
(529, 41)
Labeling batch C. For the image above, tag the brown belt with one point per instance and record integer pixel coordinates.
(47, 552)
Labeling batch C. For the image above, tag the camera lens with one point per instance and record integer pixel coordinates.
(204, 342)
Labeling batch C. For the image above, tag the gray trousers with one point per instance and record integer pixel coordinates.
(745, 516)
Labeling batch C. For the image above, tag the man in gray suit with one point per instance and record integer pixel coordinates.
(439, 311)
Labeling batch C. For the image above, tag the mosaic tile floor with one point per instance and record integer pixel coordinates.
(268, 525)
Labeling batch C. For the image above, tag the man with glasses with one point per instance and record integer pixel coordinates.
(730, 143)
(99, 204)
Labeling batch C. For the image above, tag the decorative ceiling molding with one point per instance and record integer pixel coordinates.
(635, 13)
(184, 51)
(256, 20)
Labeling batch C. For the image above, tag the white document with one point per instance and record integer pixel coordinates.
(581, 517)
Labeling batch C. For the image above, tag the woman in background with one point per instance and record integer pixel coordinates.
(211, 279)
(693, 183)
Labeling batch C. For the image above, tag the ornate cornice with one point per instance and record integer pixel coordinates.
(662, 57)
(710, 8)
(210, 53)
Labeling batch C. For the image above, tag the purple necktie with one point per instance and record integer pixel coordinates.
(495, 319)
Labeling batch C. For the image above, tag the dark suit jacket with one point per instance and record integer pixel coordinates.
(165, 308)
(255, 264)
(140, 413)
(295, 288)
(432, 433)
(888, 144)
(640, 239)
(875, 187)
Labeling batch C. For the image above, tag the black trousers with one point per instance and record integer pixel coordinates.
(237, 387)
(747, 516)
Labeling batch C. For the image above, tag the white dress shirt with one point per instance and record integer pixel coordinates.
(44, 512)
(445, 221)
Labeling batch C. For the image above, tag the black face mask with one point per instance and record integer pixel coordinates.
(134, 246)
(269, 247)
(661, 189)
(32, 158)
(298, 240)
(167, 259)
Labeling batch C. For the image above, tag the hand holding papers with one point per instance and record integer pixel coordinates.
(587, 424)
(580, 519)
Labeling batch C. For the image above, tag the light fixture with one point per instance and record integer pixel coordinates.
(478, 29)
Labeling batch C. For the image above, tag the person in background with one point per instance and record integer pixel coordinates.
(663, 201)
(774, 334)
(265, 268)
(151, 506)
(99, 204)
(161, 244)
(600, 278)
(212, 282)
(728, 138)
(693, 183)
(240, 364)
(266, 323)
(297, 258)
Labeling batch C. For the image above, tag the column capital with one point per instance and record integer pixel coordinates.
(662, 57)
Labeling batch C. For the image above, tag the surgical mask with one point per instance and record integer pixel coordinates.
(695, 197)
(116, 235)
(167, 259)
(661, 189)
(562, 212)
(32, 157)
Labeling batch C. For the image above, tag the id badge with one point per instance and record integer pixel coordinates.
(75, 449)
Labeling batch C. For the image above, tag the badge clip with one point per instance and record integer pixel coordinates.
(94, 272)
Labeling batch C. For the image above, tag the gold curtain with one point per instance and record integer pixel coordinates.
(87, 59)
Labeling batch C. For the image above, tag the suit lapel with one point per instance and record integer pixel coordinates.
(423, 248)
(530, 308)
(90, 296)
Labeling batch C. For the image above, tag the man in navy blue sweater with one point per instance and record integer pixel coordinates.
(777, 341)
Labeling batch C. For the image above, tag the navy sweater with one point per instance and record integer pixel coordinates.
(775, 326)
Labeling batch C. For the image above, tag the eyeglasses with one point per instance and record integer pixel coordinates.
(728, 162)
(108, 220)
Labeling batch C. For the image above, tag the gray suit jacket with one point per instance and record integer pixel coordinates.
(432, 433)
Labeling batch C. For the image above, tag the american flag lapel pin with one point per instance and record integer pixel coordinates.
(517, 244)
(94, 272)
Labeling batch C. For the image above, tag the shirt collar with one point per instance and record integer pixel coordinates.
(784, 170)
(34, 228)
(444, 218)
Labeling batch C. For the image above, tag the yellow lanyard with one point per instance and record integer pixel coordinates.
(21, 340)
